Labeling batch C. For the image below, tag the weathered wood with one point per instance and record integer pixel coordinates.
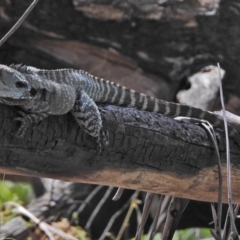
(147, 152)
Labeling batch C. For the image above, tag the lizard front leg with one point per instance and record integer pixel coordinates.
(26, 119)
(88, 117)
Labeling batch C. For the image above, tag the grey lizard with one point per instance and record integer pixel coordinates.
(39, 93)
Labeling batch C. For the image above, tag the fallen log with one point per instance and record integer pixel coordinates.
(147, 152)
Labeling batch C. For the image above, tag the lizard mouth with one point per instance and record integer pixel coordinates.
(9, 99)
(11, 96)
(13, 101)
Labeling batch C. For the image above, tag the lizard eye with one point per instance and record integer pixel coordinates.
(20, 85)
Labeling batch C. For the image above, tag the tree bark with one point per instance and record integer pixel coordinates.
(147, 152)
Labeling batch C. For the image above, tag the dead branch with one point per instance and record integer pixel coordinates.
(147, 152)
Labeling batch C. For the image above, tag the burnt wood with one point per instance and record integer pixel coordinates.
(147, 151)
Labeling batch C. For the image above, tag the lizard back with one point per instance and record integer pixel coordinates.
(104, 91)
(59, 91)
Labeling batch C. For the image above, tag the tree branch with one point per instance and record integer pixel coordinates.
(147, 152)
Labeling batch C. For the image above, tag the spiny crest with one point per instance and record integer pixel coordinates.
(24, 69)
(20, 67)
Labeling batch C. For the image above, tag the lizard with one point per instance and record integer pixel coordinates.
(39, 93)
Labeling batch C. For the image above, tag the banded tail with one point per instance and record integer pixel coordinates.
(104, 91)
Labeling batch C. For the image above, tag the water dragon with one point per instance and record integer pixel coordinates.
(39, 93)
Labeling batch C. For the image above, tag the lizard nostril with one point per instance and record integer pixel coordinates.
(20, 85)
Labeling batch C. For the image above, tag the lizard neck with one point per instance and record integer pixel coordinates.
(69, 77)
(55, 91)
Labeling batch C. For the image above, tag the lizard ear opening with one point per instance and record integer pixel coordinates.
(33, 92)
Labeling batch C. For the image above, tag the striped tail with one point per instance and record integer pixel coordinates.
(104, 91)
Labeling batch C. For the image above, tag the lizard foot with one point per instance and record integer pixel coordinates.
(26, 119)
(24, 124)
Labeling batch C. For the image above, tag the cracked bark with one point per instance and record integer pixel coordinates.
(147, 152)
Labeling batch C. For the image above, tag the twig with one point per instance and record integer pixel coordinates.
(232, 119)
(227, 226)
(134, 205)
(118, 194)
(116, 214)
(236, 210)
(211, 132)
(145, 213)
(169, 220)
(88, 199)
(42, 225)
(19, 22)
(163, 213)
(214, 214)
(98, 207)
(229, 183)
(153, 229)
(174, 214)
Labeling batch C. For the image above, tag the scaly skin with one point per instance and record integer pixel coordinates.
(40, 93)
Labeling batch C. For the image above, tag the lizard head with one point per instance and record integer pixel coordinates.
(14, 88)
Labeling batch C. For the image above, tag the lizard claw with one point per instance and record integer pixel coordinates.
(21, 113)
(99, 142)
(102, 140)
(105, 137)
(20, 133)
